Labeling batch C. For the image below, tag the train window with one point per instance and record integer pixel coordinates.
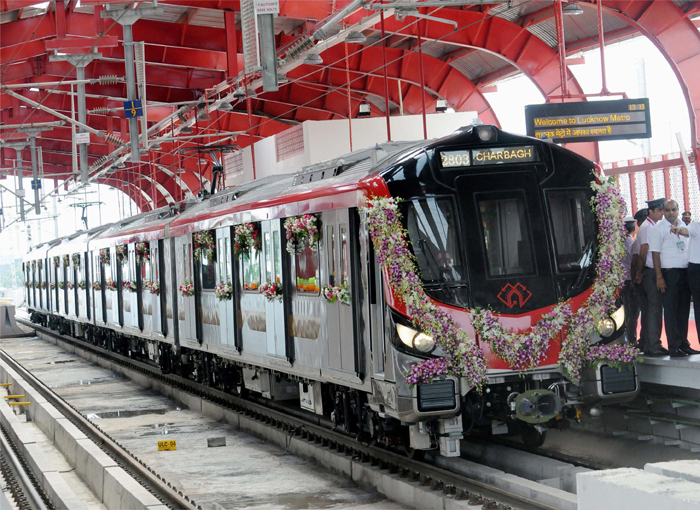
(307, 271)
(573, 226)
(268, 256)
(208, 274)
(251, 270)
(330, 247)
(432, 228)
(278, 255)
(343, 254)
(506, 235)
(146, 271)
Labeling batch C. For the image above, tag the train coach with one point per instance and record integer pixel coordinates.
(277, 289)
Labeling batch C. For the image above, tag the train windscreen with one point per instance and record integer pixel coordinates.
(572, 223)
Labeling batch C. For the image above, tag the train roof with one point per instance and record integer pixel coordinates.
(76, 242)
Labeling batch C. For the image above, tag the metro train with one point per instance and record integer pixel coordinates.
(493, 220)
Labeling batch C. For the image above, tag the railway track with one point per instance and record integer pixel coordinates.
(296, 425)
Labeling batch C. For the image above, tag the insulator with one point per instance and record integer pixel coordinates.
(100, 161)
(114, 139)
(102, 110)
(110, 79)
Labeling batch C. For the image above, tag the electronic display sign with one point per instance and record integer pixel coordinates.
(589, 121)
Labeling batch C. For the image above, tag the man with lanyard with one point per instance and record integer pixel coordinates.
(670, 257)
(693, 231)
(649, 295)
(629, 296)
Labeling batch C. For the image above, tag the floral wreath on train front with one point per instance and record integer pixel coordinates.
(302, 231)
(521, 350)
(245, 238)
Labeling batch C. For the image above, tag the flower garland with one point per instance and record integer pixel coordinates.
(204, 243)
(76, 260)
(82, 285)
(523, 350)
(153, 287)
(43, 285)
(333, 294)
(104, 256)
(187, 288)
(70, 285)
(36, 285)
(66, 260)
(130, 286)
(53, 286)
(96, 286)
(462, 357)
(121, 253)
(61, 285)
(26, 284)
(40, 264)
(223, 291)
(616, 355)
(245, 238)
(143, 253)
(56, 261)
(111, 285)
(302, 231)
(271, 291)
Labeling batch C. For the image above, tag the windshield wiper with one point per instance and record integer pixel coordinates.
(445, 286)
(583, 272)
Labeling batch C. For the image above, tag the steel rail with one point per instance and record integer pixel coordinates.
(26, 488)
(304, 426)
(149, 478)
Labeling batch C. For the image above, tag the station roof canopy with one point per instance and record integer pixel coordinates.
(194, 62)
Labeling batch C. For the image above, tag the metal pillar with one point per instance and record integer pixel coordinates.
(79, 61)
(386, 79)
(19, 147)
(268, 52)
(422, 79)
(35, 176)
(126, 18)
(559, 20)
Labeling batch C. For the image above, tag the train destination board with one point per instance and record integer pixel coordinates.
(589, 121)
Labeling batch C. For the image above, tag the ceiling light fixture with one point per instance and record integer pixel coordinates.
(239, 93)
(225, 106)
(365, 110)
(313, 59)
(572, 9)
(356, 38)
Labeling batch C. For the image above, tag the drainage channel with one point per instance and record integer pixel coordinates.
(441, 482)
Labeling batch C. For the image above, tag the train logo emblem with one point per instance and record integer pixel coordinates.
(512, 295)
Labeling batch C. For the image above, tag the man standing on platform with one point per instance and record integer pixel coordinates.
(670, 257)
(687, 217)
(629, 296)
(693, 231)
(632, 316)
(649, 295)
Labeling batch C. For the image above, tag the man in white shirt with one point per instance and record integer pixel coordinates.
(693, 232)
(649, 295)
(670, 257)
(629, 296)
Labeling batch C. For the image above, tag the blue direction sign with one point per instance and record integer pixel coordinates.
(36, 183)
(133, 109)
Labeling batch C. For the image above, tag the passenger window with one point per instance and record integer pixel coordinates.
(146, 270)
(330, 252)
(307, 271)
(278, 256)
(223, 260)
(506, 230)
(208, 274)
(344, 261)
(251, 270)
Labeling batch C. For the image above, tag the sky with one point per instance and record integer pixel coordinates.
(669, 116)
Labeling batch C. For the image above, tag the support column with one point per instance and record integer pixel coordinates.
(80, 61)
(19, 147)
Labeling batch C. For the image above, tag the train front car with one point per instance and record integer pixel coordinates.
(502, 223)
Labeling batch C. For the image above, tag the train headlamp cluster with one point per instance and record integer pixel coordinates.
(412, 338)
(608, 326)
(486, 133)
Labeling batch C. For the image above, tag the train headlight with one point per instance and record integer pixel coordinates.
(486, 133)
(423, 343)
(619, 317)
(412, 338)
(606, 327)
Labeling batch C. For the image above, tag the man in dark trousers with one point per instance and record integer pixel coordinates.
(670, 256)
(693, 232)
(649, 295)
(629, 296)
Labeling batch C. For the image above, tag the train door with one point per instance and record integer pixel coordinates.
(146, 270)
(185, 276)
(155, 293)
(274, 310)
(227, 325)
(509, 260)
(81, 287)
(41, 280)
(342, 328)
(99, 296)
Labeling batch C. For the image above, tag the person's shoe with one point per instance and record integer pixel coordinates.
(659, 351)
(689, 351)
(678, 354)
